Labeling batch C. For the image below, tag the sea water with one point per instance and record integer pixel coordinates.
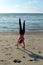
(9, 22)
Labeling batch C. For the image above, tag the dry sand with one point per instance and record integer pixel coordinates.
(32, 55)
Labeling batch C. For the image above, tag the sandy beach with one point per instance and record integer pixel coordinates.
(32, 55)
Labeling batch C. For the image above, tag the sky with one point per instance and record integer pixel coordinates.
(21, 6)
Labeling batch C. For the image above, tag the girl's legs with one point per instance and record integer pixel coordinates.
(20, 26)
(24, 27)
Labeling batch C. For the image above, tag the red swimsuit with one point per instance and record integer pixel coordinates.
(21, 38)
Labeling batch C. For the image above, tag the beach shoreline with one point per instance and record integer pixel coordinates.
(33, 32)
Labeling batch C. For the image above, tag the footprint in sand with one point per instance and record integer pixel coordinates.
(0, 40)
(10, 58)
(5, 62)
(17, 61)
(39, 52)
(8, 54)
(5, 48)
(2, 60)
(2, 45)
(33, 47)
(36, 59)
(8, 44)
(6, 40)
(24, 57)
(33, 60)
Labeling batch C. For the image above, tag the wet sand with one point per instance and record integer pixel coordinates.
(32, 55)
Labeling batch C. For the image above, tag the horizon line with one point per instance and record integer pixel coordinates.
(21, 13)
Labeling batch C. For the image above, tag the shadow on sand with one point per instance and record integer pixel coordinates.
(32, 55)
